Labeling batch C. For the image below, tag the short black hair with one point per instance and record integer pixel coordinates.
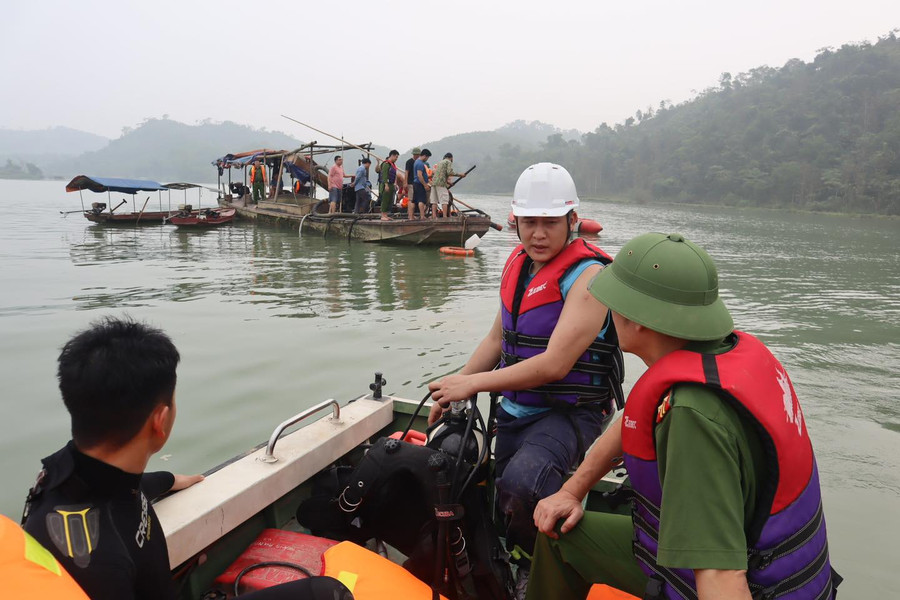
(426, 152)
(366, 159)
(448, 155)
(112, 375)
(394, 153)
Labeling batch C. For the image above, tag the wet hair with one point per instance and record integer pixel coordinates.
(112, 376)
(394, 153)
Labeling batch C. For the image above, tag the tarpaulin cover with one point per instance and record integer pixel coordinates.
(183, 185)
(242, 159)
(299, 174)
(110, 184)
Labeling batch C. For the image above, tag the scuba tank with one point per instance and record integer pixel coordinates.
(448, 435)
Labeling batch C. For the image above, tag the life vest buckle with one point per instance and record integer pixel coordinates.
(758, 561)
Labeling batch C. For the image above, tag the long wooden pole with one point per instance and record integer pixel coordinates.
(142, 210)
(342, 140)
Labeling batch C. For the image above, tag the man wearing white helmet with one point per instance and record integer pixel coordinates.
(560, 367)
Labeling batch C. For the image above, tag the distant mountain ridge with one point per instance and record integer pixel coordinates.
(818, 135)
(62, 141)
(166, 150)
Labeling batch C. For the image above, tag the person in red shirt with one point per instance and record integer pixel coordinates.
(335, 184)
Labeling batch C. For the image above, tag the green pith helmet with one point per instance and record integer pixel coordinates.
(416, 151)
(665, 283)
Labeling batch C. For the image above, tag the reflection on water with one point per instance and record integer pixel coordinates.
(269, 323)
(278, 270)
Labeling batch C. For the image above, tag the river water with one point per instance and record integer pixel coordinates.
(268, 323)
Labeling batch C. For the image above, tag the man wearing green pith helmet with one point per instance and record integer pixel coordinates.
(724, 490)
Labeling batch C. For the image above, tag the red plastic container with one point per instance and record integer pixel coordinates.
(276, 545)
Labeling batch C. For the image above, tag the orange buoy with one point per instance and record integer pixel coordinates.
(455, 251)
(589, 226)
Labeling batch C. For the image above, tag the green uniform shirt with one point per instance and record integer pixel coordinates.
(385, 173)
(711, 463)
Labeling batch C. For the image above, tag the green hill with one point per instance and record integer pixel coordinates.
(823, 135)
(166, 150)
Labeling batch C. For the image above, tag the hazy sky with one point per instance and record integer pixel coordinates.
(395, 73)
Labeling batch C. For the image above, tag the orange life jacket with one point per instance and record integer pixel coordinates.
(28, 570)
(604, 592)
(370, 576)
(254, 170)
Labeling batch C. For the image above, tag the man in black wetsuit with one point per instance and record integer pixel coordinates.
(91, 503)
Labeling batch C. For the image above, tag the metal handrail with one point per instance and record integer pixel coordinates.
(270, 447)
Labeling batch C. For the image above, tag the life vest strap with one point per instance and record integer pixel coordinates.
(759, 560)
(535, 341)
(675, 580)
(602, 369)
(796, 581)
(652, 508)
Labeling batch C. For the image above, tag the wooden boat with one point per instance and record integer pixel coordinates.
(190, 217)
(105, 212)
(209, 525)
(453, 230)
(207, 217)
(303, 210)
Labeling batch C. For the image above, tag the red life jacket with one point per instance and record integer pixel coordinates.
(529, 316)
(788, 550)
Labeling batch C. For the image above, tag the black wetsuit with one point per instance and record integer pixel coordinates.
(99, 523)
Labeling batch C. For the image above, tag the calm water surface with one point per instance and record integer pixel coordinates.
(268, 323)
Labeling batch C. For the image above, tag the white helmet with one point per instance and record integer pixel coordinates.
(544, 190)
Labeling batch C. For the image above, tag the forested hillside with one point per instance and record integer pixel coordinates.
(823, 135)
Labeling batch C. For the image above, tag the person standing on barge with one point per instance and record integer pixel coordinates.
(387, 176)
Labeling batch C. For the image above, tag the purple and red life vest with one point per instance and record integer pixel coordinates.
(788, 549)
(529, 317)
(392, 173)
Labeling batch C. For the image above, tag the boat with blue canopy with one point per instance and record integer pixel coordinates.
(105, 212)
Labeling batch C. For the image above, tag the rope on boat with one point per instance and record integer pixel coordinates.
(352, 223)
(300, 231)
